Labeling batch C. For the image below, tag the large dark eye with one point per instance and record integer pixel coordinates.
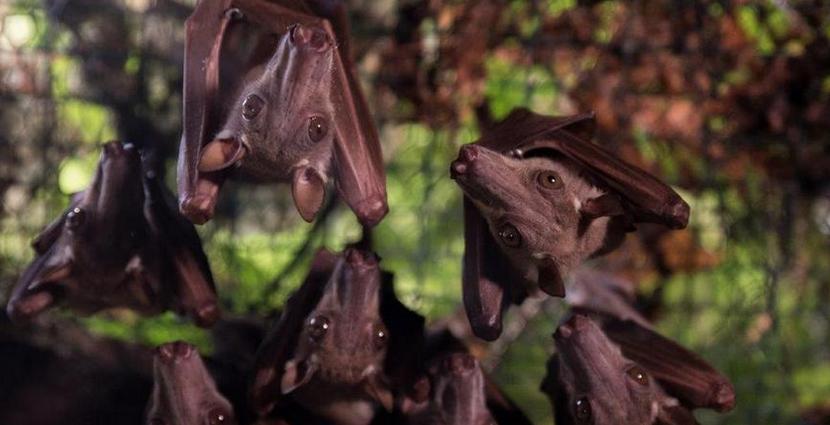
(549, 180)
(252, 106)
(317, 327)
(638, 375)
(75, 218)
(219, 416)
(582, 410)
(509, 235)
(317, 129)
(381, 337)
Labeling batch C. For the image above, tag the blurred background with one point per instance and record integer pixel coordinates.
(729, 101)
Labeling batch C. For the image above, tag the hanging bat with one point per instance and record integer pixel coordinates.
(333, 350)
(184, 392)
(589, 381)
(458, 394)
(270, 94)
(540, 198)
(121, 243)
(682, 373)
(453, 389)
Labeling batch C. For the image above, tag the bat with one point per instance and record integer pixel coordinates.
(121, 243)
(332, 350)
(545, 199)
(589, 381)
(270, 95)
(184, 392)
(682, 373)
(453, 389)
(458, 394)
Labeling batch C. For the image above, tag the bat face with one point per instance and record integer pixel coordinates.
(99, 240)
(184, 393)
(458, 391)
(544, 215)
(600, 385)
(281, 127)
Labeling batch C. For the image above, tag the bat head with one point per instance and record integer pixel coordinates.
(282, 125)
(184, 393)
(458, 391)
(602, 386)
(343, 341)
(545, 215)
(103, 230)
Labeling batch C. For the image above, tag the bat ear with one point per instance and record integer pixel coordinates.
(221, 153)
(550, 280)
(297, 374)
(49, 235)
(606, 205)
(309, 190)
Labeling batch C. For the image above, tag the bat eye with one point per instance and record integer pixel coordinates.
(317, 327)
(252, 106)
(75, 218)
(549, 180)
(582, 410)
(381, 337)
(219, 416)
(638, 375)
(317, 129)
(509, 235)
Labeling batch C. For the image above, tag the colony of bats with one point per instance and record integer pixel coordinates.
(271, 96)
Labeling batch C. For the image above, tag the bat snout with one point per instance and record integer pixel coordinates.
(173, 351)
(357, 257)
(466, 157)
(313, 37)
(459, 364)
(573, 325)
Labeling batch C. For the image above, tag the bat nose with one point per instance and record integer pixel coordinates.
(357, 257)
(459, 363)
(113, 148)
(466, 156)
(171, 351)
(574, 324)
(313, 37)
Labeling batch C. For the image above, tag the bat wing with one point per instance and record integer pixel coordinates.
(486, 271)
(646, 197)
(194, 289)
(406, 337)
(683, 374)
(278, 346)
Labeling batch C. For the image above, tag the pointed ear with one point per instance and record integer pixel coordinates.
(297, 373)
(550, 280)
(380, 391)
(606, 205)
(220, 154)
(309, 190)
